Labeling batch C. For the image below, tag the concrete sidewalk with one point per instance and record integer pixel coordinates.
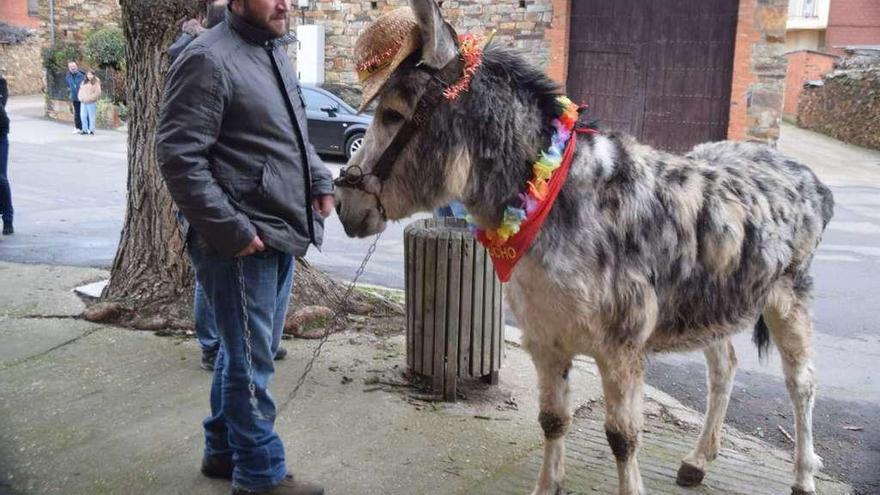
(91, 409)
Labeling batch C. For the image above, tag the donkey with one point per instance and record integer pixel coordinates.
(643, 252)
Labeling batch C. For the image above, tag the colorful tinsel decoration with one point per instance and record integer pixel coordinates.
(470, 46)
(378, 61)
(543, 169)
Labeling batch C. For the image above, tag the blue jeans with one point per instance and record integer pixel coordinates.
(250, 296)
(5, 191)
(206, 326)
(89, 113)
(453, 209)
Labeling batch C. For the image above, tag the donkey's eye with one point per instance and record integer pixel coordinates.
(391, 117)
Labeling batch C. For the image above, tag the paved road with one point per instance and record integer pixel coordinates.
(69, 194)
(846, 314)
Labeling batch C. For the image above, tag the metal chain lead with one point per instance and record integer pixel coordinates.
(337, 313)
(248, 350)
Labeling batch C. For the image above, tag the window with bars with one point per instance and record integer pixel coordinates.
(803, 8)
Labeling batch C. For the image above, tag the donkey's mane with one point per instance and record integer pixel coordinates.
(505, 119)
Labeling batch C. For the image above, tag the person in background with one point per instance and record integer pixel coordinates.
(5, 192)
(89, 92)
(75, 78)
(203, 316)
(215, 13)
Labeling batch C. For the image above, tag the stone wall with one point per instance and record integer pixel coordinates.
(57, 109)
(522, 27)
(847, 107)
(758, 71)
(75, 19)
(21, 65)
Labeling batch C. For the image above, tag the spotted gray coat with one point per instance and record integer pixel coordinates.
(643, 251)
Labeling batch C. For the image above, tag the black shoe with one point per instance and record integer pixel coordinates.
(8, 230)
(288, 486)
(208, 360)
(280, 354)
(217, 467)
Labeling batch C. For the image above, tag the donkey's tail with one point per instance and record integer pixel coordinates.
(761, 337)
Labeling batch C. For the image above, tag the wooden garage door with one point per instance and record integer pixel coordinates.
(660, 70)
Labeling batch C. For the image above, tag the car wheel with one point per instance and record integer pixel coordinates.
(353, 144)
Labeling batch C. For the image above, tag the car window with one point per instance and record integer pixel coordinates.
(317, 101)
(351, 95)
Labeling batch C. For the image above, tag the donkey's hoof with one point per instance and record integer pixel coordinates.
(689, 475)
(800, 491)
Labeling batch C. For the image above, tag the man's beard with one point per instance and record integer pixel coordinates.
(216, 15)
(263, 23)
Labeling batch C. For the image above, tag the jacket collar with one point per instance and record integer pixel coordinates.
(254, 34)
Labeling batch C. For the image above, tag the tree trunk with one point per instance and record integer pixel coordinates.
(151, 278)
(149, 270)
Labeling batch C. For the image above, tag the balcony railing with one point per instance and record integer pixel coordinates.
(803, 9)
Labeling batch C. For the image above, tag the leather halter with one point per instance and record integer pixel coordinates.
(353, 177)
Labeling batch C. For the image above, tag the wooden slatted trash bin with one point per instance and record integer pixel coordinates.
(454, 326)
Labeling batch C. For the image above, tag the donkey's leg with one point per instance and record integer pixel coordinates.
(720, 368)
(622, 378)
(792, 329)
(554, 417)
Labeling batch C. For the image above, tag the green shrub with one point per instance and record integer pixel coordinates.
(106, 47)
(55, 58)
(123, 111)
(105, 112)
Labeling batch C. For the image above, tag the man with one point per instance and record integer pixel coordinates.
(214, 14)
(75, 78)
(233, 149)
(203, 315)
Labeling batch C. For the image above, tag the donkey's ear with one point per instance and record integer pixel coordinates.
(438, 38)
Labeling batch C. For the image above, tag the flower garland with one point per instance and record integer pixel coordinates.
(543, 169)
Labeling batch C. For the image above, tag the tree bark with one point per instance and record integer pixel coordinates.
(151, 278)
(149, 270)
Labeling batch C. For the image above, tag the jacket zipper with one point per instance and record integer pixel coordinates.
(307, 175)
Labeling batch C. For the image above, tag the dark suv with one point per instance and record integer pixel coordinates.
(335, 127)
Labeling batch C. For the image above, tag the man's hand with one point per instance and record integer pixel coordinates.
(255, 245)
(193, 27)
(324, 204)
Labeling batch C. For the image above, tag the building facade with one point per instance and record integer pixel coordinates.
(831, 26)
(20, 60)
(672, 75)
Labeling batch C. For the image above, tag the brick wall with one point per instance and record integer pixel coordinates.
(557, 36)
(847, 107)
(520, 27)
(75, 19)
(15, 12)
(758, 71)
(803, 66)
(853, 22)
